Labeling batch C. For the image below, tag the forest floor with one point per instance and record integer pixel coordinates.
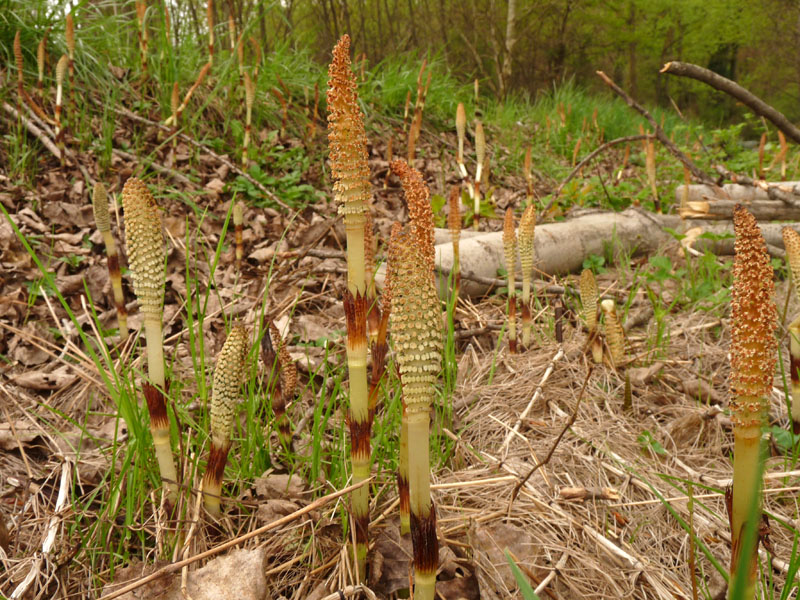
(629, 500)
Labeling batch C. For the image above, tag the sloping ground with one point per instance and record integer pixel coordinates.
(592, 522)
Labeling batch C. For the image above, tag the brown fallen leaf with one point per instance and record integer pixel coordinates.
(390, 561)
(22, 433)
(46, 380)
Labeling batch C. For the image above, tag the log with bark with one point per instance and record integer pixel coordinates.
(716, 202)
(562, 247)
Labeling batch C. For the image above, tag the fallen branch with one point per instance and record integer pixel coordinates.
(662, 137)
(587, 159)
(34, 130)
(539, 465)
(177, 566)
(550, 367)
(723, 84)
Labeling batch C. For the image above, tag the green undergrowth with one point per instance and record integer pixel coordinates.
(560, 125)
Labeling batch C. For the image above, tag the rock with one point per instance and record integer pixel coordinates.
(238, 575)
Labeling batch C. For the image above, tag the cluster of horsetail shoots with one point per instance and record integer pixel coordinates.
(103, 221)
(454, 223)
(249, 98)
(510, 254)
(615, 336)
(348, 159)
(480, 155)
(791, 242)
(588, 289)
(754, 319)
(145, 243)
(61, 71)
(224, 399)
(416, 330)
(282, 380)
(527, 228)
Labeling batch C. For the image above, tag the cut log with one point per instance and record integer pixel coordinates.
(713, 202)
(560, 248)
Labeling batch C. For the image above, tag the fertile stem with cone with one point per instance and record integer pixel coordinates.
(145, 242)
(754, 319)
(348, 159)
(224, 398)
(527, 228)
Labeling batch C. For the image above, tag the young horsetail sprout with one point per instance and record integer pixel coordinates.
(526, 168)
(145, 244)
(461, 129)
(224, 398)
(416, 330)
(454, 223)
(210, 22)
(69, 34)
(527, 227)
(249, 98)
(754, 319)
(232, 32)
(615, 336)
(103, 221)
(174, 103)
(480, 154)
(510, 253)
(176, 117)
(238, 225)
(791, 241)
(348, 159)
(141, 14)
(19, 62)
(282, 380)
(41, 56)
(588, 289)
(61, 70)
(257, 57)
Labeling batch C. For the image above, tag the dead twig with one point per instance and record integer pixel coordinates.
(698, 173)
(540, 464)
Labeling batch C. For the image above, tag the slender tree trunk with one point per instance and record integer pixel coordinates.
(632, 87)
(511, 41)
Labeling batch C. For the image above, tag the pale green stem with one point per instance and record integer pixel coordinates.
(746, 492)
(155, 369)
